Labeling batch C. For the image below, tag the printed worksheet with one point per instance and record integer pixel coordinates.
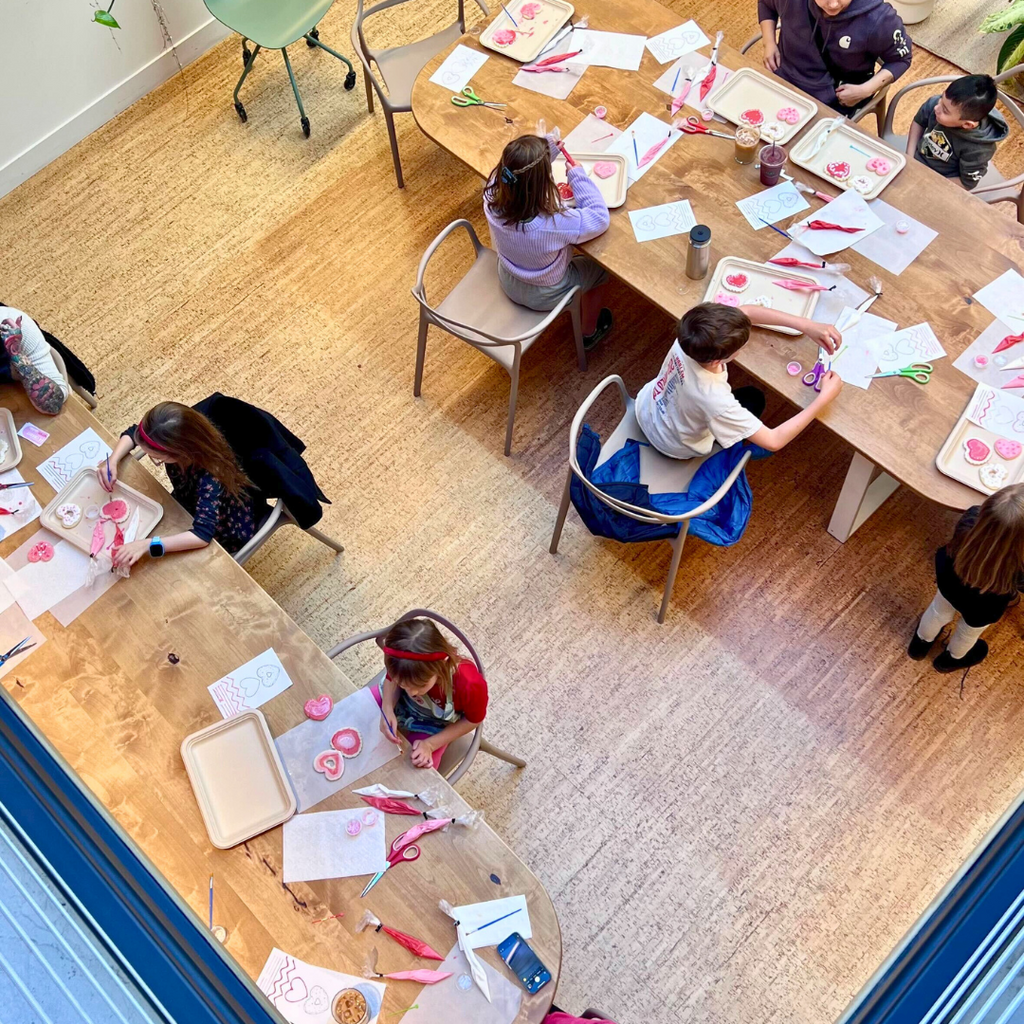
(251, 685)
(85, 450)
(677, 41)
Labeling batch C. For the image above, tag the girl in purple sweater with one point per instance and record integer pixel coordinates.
(534, 234)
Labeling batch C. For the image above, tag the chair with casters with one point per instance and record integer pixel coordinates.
(479, 312)
(276, 25)
(660, 473)
(993, 188)
(875, 105)
(279, 516)
(459, 755)
(87, 396)
(398, 66)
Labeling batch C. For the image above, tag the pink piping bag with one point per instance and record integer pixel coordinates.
(654, 151)
(429, 796)
(99, 539)
(684, 90)
(824, 225)
(1017, 382)
(389, 805)
(803, 286)
(831, 268)
(422, 975)
(709, 78)
(414, 945)
(1007, 342)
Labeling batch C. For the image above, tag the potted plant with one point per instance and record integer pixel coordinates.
(913, 11)
(1009, 19)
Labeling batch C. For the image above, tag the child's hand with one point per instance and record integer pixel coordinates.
(831, 385)
(824, 335)
(128, 554)
(422, 754)
(772, 57)
(101, 474)
(388, 718)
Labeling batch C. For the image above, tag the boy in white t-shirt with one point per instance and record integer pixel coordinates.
(689, 405)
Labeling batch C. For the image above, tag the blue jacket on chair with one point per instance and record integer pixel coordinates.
(619, 478)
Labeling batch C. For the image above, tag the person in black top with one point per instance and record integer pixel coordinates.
(978, 573)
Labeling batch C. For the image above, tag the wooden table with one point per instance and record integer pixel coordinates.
(897, 427)
(106, 694)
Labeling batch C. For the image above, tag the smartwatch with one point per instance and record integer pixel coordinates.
(156, 547)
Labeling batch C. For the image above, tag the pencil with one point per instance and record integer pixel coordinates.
(211, 903)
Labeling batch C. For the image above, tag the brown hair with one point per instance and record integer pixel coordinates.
(990, 555)
(420, 636)
(521, 187)
(712, 331)
(192, 440)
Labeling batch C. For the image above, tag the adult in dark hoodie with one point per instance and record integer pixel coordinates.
(829, 48)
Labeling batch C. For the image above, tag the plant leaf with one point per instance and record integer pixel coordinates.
(106, 18)
(1003, 21)
(1011, 52)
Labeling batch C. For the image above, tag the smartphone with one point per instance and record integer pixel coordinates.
(524, 963)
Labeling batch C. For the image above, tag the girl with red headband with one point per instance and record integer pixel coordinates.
(429, 694)
(205, 478)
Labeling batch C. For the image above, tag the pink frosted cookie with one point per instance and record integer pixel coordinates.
(879, 165)
(753, 117)
(347, 742)
(503, 37)
(530, 11)
(725, 299)
(838, 169)
(790, 115)
(41, 552)
(993, 476)
(976, 452)
(330, 764)
(318, 708)
(117, 510)
(1007, 448)
(605, 168)
(564, 190)
(736, 282)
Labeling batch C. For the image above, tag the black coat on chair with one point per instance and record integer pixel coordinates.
(269, 453)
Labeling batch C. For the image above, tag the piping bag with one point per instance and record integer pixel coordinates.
(412, 944)
(429, 796)
(422, 975)
(476, 969)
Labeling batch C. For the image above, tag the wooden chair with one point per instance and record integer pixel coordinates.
(480, 313)
(398, 66)
(875, 105)
(993, 188)
(279, 516)
(87, 396)
(661, 474)
(459, 755)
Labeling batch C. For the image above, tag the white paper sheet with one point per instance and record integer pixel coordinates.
(676, 41)
(15, 626)
(993, 375)
(302, 993)
(20, 501)
(661, 221)
(1004, 298)
(85, 450)
(607, 49)
(887, 247)
(998, 411)
(300, 745)
(556, 84)
(6, 597)
(670, 83)
(857, 357)
(916, 344)
(773, 204)
(251, 685)
(458, 68)
(649, 131)
(849, 210)
(38, 586)
(830, 304)
(317, 846)
(474, 915)
(591, 135)
(456, 1000)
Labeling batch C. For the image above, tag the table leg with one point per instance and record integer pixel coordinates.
(864, 489)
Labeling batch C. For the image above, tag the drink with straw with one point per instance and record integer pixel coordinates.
(773, 159)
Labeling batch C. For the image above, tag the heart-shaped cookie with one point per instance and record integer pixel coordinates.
(605, 168)
(838, 169)
(117, 510)
(318, 708)
(735, 282)
(879, 165)
(1007, 448)
(330, 764)
(318, 1002)
(789, 114)
(347, 741)
(976, 452)
(753, 116)
(41, 552)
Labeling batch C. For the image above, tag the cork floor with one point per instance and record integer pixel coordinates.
(737, 814)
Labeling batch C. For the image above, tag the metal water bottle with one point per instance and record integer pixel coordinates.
(698, 256)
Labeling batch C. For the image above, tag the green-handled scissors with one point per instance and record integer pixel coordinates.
(920, 372)
(468, 98)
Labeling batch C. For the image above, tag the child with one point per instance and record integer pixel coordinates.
(205, 477)
(430, 694)
(978, 573)
(956, 133)
(689, 405)
(534, 235)
(25, 357)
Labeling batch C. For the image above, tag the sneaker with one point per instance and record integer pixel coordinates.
(604, 325)
(945, 662)
(919, 649)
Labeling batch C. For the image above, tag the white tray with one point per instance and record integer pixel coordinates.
(749, 89)
(952, 463)
(613, 189)
(9, 433)
(761, 276)
(837, 149)
(553, 14)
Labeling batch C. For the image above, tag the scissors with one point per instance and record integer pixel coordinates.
(20, 648)
(407, 853)
(920, 372)
(468, 98)
(693, 126)
(813, 378)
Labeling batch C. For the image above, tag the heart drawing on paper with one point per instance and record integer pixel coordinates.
(318, 1002)
(296, 991)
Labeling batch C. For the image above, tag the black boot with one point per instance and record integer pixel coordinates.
(945, 662)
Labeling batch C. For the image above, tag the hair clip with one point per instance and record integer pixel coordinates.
(508, 176)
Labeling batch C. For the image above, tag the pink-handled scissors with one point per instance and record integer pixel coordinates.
(693, 126)
(407, 853)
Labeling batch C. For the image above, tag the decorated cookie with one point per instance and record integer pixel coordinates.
(838, 169)
(347, 742)
(330, 764)
(993, 476)
(318, 708)
(605, 168)
(762, 300)
(70, 515)
(41, 552)
(503, 37)
(725, 299)
(753, 117)
(530, 11)
(600, 113)
(565, 190)
(1007, 448)
(862, 184)
(879, 165)
(794, 369)
(789, 115)
(981, 362)
(117, 510)
(976, 452)
(902, 227)
(773, 131)
(353, 827)
(736, 282)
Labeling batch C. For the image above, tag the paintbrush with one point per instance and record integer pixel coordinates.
(510, 18)
(785, 234)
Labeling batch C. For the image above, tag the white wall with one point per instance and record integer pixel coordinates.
(62, 76)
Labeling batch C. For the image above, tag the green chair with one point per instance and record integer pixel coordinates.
(275, 25)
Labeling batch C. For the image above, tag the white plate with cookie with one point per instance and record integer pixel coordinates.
(981, 458)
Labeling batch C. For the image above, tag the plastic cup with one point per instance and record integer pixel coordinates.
(773, 159)
(746, 145)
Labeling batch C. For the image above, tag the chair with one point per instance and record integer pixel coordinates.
(661, 474)
(398, 66)
(279, 516)
(275, 25)
(459, 756)
(480, 313)
(993, 188)
(87, 396)
(876, 105)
